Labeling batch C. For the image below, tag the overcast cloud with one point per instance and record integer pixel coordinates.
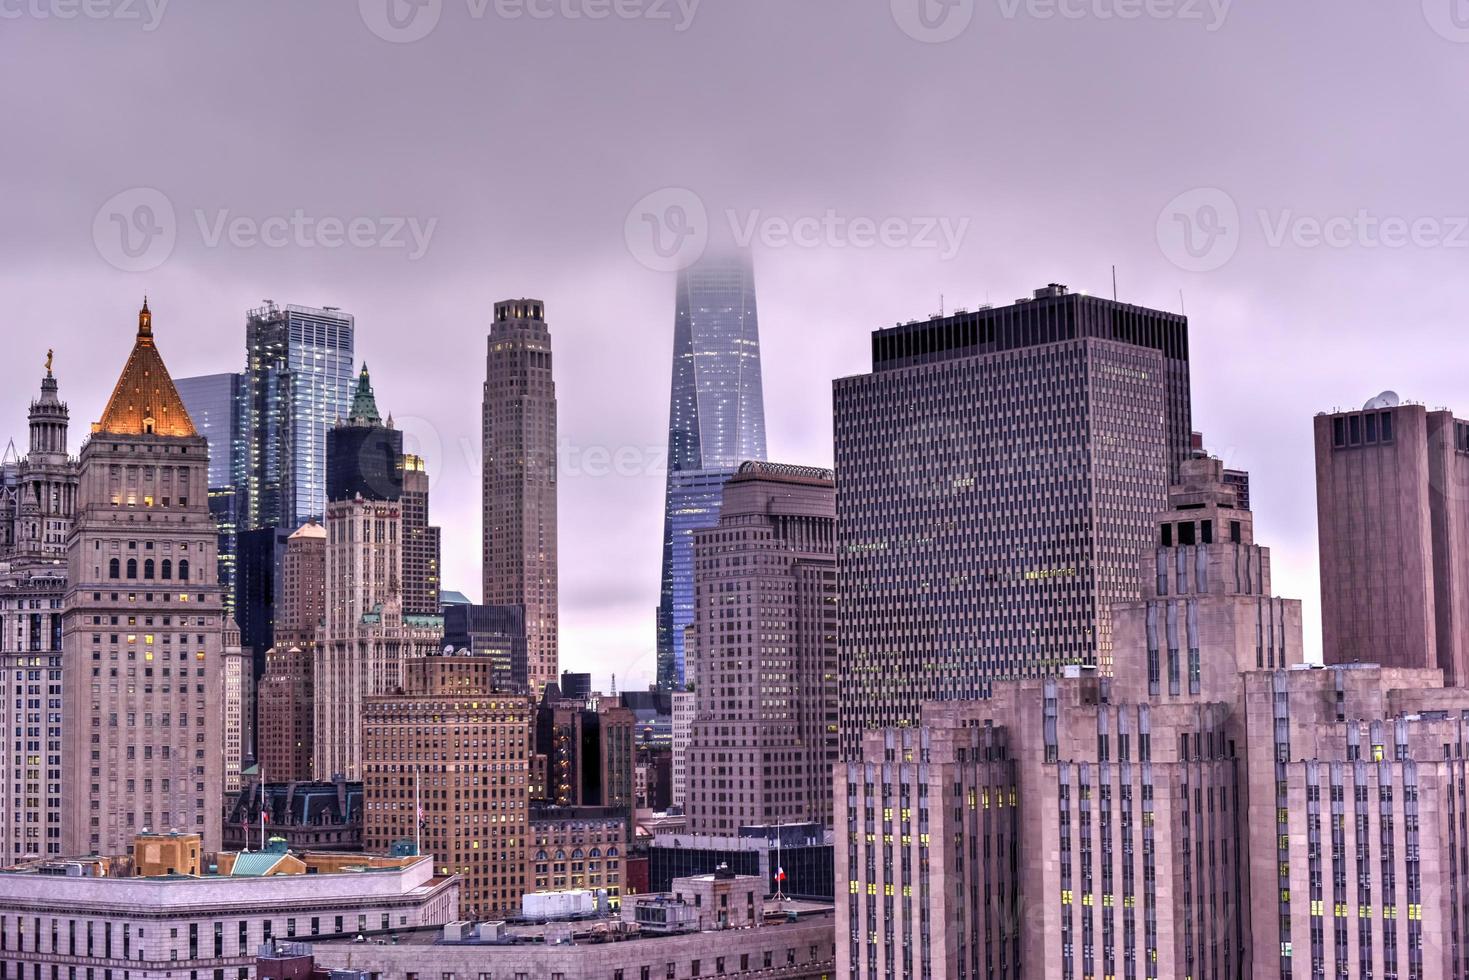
(1290, 172)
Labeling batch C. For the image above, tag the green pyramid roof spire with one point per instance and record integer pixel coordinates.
(364, 403)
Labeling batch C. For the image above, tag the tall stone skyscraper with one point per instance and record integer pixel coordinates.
(1392, 508)
(716, 421)
(997, 474)
(286, 700)
(366, 635)
(520, 550)
(143, 623)
(420, 542)
(38, 498)
(446, 700)
(764, 736)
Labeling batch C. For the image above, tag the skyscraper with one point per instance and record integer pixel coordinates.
(299, 369)
(408, 731)
(284, 740)
(764, 738)
(1392, 505)
(519, 415)
(366, 635)
(716, 421)
(997, 474)
(145, 614)
(219, 405)
(37, 511)
(420, 542)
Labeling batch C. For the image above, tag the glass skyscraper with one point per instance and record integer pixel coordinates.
(716, 420)
(300, 377)
(219, 406)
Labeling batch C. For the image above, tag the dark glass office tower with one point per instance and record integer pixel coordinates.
(299, 369)
(716, 420)
(998, 473)
(219, 404)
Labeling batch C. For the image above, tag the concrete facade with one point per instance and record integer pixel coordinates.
(519, 432)
(1392, 503)
(764, 734)
(1216, 808)
(176, 928)
(800, 950)
(997, 477)
(445, 763)
(143, 623)
(284, 697)
(578, 847)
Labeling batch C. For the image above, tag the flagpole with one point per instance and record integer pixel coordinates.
(262, 807)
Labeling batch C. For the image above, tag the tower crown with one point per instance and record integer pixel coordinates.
(364, 402)
(145, 401)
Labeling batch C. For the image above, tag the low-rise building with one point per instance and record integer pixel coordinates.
(150, 915)
(577, 847)
(714, 926)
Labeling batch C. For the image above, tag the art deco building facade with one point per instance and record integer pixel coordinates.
(143, 623)
(366, 636)
(38, 497)
(284, 744)
(998, 473)
(1232, 813)
(1392, 507)
(764, 735)
(519, 416)
(446, 761)
(420, 543)
(716, 421)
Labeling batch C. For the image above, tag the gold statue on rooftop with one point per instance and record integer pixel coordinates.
(50, 355)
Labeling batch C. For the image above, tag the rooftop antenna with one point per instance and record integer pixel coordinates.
(1114, 283)
(1181, 308)
(941, 304)
(614, 685)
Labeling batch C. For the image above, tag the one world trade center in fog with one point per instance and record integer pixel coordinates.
(716, 420)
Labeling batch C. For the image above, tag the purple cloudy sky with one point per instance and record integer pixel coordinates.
(1295, 168)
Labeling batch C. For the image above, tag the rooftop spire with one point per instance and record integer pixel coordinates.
(145, 401)
(364, 402)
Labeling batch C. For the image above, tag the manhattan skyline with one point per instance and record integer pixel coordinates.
(1286, 330)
